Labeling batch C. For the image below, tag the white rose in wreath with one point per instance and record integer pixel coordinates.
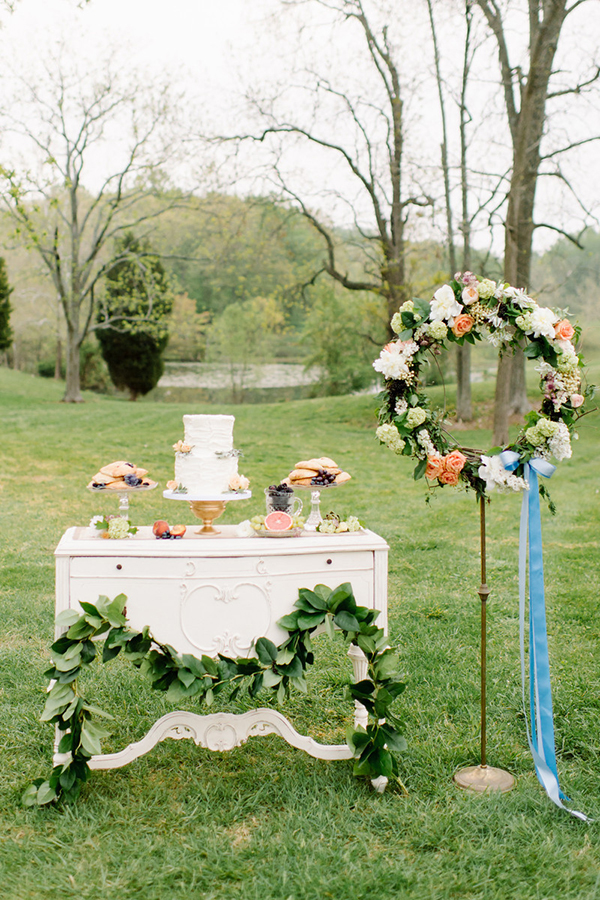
(444, 305)
(543, 321)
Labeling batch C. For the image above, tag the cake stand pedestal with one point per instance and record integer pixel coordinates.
(207, 507)
(124, 495)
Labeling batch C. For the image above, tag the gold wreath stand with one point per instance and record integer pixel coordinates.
(483, 778)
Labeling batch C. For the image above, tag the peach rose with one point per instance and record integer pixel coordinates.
(577, 400)
(470, 294)
(462, 324)
(435, 468)
(448, 478)
(563, 330)
(455, 462)
(172, 485)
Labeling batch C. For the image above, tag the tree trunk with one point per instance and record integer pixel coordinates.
(58, 365)
(502, 400)
(519, 403)
(73, 380)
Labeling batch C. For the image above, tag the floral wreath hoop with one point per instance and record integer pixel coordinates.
(469, 309)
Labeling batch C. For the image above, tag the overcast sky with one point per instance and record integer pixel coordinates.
(213, 49)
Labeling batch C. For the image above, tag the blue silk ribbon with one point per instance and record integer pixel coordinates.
(541, 734)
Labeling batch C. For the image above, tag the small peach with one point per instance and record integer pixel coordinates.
(178, 530)
(159, 528)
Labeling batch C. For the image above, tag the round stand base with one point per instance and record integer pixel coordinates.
(484, 778)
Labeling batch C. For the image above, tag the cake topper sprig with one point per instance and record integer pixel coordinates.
(226, 454)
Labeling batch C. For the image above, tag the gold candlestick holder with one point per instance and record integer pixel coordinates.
(483, 778)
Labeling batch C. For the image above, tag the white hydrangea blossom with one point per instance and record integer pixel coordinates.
(437, 330)
(388, 435)
(118, 528)
(400, 407)
(568, 361)
(415, 417)
(498, 478)
(396, 323)
(560, 443)
(486, 288)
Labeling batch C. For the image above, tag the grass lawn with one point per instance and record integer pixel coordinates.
(267, 822)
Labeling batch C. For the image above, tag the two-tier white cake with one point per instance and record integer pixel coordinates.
(205, 461)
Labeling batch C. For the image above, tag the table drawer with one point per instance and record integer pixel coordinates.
(326, 564)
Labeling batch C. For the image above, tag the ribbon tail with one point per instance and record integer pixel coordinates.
(540, 722)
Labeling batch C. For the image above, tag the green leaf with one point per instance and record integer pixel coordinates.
(339, 594)
(65, 745)
(210, 665)
(323, 591)
(394, 740)
(266, 651)
(289, 623)
(300, 684)
(176, 691)
(346, 621)
(45, 794)
(281, 693)
(313, 599)
(285, 656)
(67, 618)
(271, 679)
(88, 652)
(293, 669)
(68, 778)
(186, 677)
(419, 470)
(195, 665)
(307, 621)
(90, 609)
(209, 697)
(329, 626)
(29, 796)
(96, 711)
(81, 629)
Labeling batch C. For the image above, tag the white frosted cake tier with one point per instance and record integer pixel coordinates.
(202, 470)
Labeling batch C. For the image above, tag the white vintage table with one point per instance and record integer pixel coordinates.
(218, 595)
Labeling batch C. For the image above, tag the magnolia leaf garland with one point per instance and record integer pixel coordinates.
(181, 676)
(470, 309)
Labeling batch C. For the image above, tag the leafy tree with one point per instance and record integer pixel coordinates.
(65, 117)
(6, 333)
(131, 321)
(337, 333)
(244, 335)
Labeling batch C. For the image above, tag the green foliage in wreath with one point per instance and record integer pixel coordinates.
(470, 309)
(276, 668)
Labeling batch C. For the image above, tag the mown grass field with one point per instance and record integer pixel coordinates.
(266, 822)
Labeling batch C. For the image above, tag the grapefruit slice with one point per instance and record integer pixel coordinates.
(278, 521)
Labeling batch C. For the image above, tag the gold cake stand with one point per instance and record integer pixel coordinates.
(207, 507)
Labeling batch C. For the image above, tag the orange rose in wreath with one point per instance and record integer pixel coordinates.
(435, 468)
(448, 478)
(462, 324)
(563, 330)
(455, 462)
